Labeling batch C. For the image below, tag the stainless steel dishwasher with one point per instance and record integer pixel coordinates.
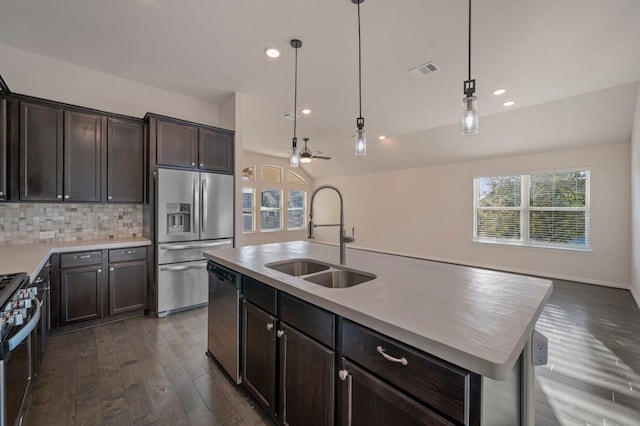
(223, 343)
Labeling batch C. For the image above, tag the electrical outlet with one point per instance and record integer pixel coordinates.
(47, 235)
(539, 348)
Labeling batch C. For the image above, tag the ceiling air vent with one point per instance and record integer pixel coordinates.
(424, 69)
(290, 116)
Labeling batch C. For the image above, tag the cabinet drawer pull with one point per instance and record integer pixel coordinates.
(85, 256)
(269, 326)
(402, 360)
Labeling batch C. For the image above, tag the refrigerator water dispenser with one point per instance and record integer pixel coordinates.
(178, 218)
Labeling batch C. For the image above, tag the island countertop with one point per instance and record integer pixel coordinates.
(475, 318)
(31, 257)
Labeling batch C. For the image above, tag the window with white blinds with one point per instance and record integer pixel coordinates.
(549, 209)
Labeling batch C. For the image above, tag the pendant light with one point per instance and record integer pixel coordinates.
(293, 158)
(361, 139)
(469, 102)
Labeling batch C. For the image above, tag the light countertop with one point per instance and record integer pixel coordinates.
(475, 318)
(30, 258)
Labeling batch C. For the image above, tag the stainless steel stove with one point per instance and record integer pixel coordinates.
(20, 312)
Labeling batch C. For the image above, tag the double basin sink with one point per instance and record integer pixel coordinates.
(321, 273)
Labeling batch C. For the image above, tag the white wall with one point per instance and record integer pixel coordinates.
(428, 212)
(43, 77)
(254, 238)
(635, 200)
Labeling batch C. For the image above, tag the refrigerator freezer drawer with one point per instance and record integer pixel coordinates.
(182, 285)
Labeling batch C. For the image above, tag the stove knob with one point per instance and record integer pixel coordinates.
(16, 319)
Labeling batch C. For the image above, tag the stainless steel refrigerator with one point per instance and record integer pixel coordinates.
(194, 212)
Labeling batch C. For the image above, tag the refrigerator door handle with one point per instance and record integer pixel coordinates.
(196, 245)
(205, 203)
(196, 205)
(183, 267)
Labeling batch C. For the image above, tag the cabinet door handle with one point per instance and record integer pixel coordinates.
(38, 280)
(283, 354)
(344, 375)
(269, 326)
(388, 357)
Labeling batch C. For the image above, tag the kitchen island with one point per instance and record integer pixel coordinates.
(479, 320)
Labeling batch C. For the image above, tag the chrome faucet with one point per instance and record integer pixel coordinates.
(344, 238)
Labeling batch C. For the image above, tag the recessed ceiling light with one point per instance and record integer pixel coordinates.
(272, 53)
(382, 137)
(509, 103)
(499, 92)
(306, 111)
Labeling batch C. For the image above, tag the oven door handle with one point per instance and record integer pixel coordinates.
(28, 328)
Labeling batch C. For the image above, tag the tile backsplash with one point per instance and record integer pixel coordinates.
(22, 223)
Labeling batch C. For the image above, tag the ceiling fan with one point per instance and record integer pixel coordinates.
(306, 154)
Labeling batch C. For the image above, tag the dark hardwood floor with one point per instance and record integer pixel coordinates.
(593, 373)
(148, 371)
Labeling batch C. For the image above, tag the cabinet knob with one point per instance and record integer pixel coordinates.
(193, 164)
(269, 326)
(99, 271)
(343, 374)
(1, 193)
(111, 268)
(66, 197)
(280, 333)
(110, 197)
(59, 196)
(201, 165)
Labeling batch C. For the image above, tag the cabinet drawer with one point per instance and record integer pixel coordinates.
(451, 390)
(71, 260)
(127, 254)
(313, 321)
(259, 294)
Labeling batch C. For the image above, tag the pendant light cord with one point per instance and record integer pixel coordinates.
(295, 97)
(469, 40)
(360, 63)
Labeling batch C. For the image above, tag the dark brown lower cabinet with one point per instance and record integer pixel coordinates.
(81, 294)
(306, 380)
(127, 286)
(367, 400)
(259, 355)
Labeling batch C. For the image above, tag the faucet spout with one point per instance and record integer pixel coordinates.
(344, 239)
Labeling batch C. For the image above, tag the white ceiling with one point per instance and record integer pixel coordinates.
(572, 66)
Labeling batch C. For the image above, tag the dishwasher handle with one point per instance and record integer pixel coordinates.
(222, 273)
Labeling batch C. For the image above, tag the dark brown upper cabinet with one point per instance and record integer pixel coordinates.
(215, 150)
(191, 146)
(82, 156)
(176, 144)
(41, 149)
(60, 154)
(3, 149)
(125, 161)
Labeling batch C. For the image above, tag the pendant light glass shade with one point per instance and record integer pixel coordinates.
(361, 139)
(293, 157)
(469, 115)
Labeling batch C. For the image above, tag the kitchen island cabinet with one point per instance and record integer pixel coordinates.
(287, 370)
(472, 328)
